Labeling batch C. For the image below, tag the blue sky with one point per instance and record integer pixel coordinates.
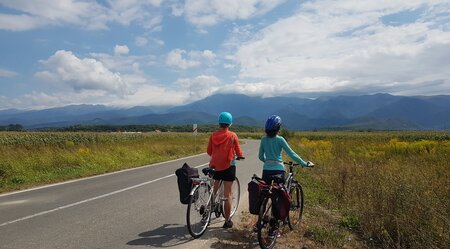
(168, 52)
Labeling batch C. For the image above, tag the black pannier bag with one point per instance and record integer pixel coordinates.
(254, 194)
(281, 202)
(184, 180)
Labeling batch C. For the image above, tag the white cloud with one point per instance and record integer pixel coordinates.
(41, 100)
(200, 86)
(175, 59)
(210, 12)
(140, 41)
(177, 9)
(81, 74)
(7, 73)
(336, 45)
(86, 14)
(20, 22)
(152, 95)
(121, 50)
(182, 59)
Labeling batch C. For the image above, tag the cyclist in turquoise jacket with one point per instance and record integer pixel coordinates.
(271, 148)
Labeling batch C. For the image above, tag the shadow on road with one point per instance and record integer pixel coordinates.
(167, 235)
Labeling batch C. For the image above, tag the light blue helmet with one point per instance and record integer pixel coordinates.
(225, 118)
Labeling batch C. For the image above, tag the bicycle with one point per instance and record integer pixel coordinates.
(267, 225)
(203, 202)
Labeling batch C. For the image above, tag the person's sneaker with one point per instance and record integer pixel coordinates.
(228, 224)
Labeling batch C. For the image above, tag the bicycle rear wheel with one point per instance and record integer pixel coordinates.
(296, 208)
(199, 211)
(267, 225)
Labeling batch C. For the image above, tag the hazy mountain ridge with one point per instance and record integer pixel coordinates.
(378, 111)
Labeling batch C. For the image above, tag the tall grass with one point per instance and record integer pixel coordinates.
(28, 159)
(394, 187)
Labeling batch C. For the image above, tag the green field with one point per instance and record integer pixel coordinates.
(368, 189)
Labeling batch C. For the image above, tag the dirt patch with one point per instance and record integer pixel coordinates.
(320, 228)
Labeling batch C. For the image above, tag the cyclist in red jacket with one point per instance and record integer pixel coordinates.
(223, 146)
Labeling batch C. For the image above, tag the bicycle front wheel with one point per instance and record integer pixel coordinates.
(267, 225)
(199, 211)
(296, 208)
(236, 194)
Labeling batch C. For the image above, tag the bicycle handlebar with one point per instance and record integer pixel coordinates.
(240, 158)
(308, 164)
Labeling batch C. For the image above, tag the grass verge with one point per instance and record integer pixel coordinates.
(30, 159)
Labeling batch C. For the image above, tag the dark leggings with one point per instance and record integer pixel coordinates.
(267, 173)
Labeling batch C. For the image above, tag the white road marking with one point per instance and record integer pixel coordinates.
(91, 199)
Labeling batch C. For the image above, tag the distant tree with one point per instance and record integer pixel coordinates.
(12, 127)
(287, 134)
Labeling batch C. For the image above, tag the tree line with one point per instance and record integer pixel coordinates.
(12, 127)
(148, 128)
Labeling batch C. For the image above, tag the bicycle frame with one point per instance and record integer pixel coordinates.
(201, 181)
(290, 177)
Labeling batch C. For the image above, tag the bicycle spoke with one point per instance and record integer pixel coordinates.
(199, 211)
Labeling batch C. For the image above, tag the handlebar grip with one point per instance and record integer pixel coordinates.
(310, 164)
(240, 158)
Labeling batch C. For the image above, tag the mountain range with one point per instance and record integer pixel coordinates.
(378, 112)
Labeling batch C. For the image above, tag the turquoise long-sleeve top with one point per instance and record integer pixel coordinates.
(270, 150)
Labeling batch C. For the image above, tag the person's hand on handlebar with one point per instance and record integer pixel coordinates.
(309, 164)
(240, 158)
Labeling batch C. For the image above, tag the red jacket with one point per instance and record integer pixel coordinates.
(222, 147)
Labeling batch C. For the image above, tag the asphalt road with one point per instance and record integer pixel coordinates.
(136, 208)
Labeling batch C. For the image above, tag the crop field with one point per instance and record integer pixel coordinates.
(34, 158)
(391, 189)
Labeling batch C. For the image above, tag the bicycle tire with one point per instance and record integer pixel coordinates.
(296, 209)
(236, 194)
(199, 205)
(265, 224)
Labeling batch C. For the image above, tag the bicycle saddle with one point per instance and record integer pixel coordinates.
(208, 171)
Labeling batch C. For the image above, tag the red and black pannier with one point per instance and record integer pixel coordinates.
(281, 202)
(254, 194)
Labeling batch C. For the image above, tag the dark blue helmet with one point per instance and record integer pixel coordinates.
(273, 123)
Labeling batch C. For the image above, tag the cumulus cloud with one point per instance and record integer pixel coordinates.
(121, 49)
(86, 14)
(81, 74)
(210, 12)
(182, 59)
(335, 45)
(200, 86)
